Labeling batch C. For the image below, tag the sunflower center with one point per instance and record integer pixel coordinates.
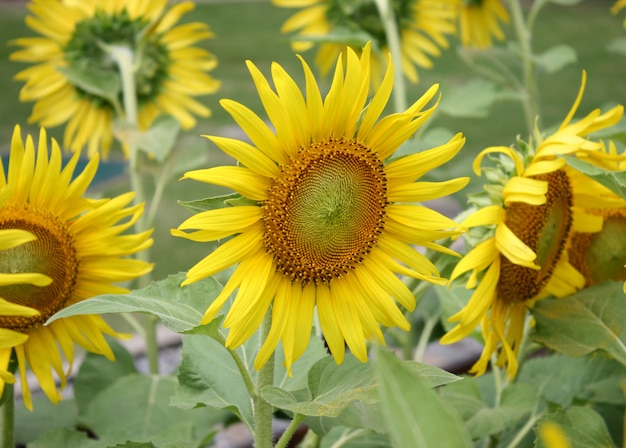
(52, 253)
(85, 54)
(363, 15)
(325, 211)
(544, 228)
(602, 256)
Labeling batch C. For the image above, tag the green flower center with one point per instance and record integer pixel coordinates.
(543, 228)
(326, 210)
(602, 256)
(52, 253)
(85, 54)
(362, 16)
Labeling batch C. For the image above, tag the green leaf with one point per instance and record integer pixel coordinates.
(158, 140)
(30, 426)
(471, 100)
(213, 203)
(563, 381)
(344, 438)
(593, 319)
(209, 376)
(617, 46)
(331, 388)
(583, 427)
(97, 373)
(179, 308)
(299, 370)
(415, 415)
(139, 406)
(557, 57)
(64, 437)
(614, 181)
(94, 81)
(517, 400)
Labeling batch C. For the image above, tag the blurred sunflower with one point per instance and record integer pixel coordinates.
(78, 252)
(330, 221)
(72, 67)
(617, 7)
(422, 24)
(534, 204)
(479, 22)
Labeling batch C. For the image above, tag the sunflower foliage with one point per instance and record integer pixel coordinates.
(371, 277)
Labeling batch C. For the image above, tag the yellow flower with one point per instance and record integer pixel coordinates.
(78, 251)
(331, 221)
(170, 71)
(553, 436)
(531, 215)
(479, 22)
(422, 24)
(620, 4)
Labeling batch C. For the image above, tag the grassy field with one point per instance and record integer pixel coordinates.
(251, 30)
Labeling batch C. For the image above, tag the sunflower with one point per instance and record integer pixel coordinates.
(479, 22)
(169, 73)
(529, 216)
(422, 24)
(617, 7)
(78, 251)
(330, 221)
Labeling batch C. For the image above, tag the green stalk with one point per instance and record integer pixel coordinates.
(388, 19)
(8, 418)
(263, 411)
(124, 58)
(524, 38)
(291, 429)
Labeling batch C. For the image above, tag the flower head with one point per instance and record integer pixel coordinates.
(71, 50)
(617, 7)
(480, 22)
(330, 220)
(423, 26)
(71, 248)
(536, 201)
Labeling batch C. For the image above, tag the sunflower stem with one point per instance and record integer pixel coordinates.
(124, 57)
(429, 326)
(289, 432)
(8, 417)
(262, 409)
(388, 19)
(530, 102)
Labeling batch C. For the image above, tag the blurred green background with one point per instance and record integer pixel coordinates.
(251, 30)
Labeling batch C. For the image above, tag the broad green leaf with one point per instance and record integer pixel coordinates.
(353, 438)
(331, 388)
(158, 140)
(209, 376)
(563, 381)
(30, 426)
(202, 205)
(617, 45)
(179, 308)
(415, 415)
(583, 427)
(97, 373)
(593, 319)
(452, 301)
(517, 401)
(613, 180)
(135, 445)
(65, 437)
(471, 100)
(139, 406)
(557, 57)
(94, 81)
(358, 415)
